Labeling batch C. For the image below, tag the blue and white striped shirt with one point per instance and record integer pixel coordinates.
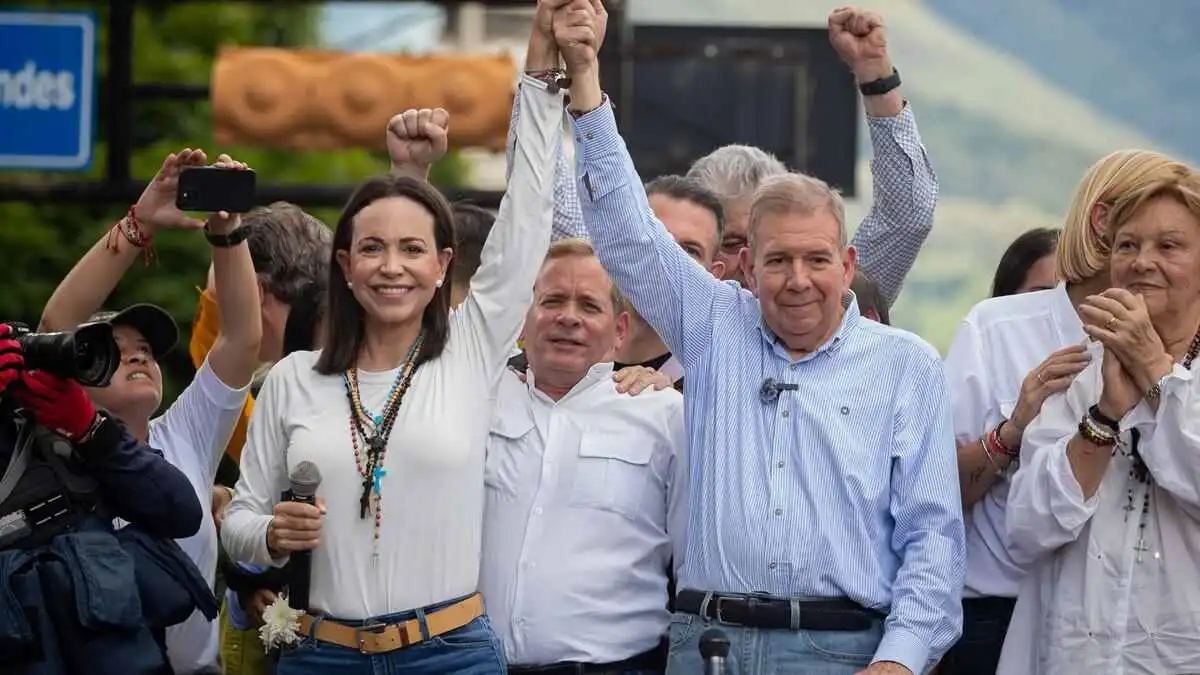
(845, 488)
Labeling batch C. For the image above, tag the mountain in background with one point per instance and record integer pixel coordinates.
(1137, 61)
(1015, 100)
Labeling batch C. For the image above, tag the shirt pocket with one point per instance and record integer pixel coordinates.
(613, 473)
(508, 441)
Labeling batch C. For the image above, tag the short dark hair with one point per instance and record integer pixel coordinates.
(870, 298)
(1023, 254)
(343, 314)
(290, 250)
(689, 190)
(472, 225)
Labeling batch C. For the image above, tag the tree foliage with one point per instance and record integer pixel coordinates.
(174, 42)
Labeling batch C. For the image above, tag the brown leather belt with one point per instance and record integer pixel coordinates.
(379, 638)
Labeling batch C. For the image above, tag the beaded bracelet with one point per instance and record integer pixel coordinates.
(1091, 431)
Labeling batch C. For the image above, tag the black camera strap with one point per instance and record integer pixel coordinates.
(19, 460)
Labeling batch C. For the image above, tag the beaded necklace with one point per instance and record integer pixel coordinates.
(1139, 473)
(374, 430)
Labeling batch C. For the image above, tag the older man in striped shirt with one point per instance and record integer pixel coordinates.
(825, 527)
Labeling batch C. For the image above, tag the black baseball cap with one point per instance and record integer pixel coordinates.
(152, 321)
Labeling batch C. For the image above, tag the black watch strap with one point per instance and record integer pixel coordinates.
(881, 86)
(227, 240)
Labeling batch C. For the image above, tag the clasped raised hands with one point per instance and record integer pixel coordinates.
(579, 27)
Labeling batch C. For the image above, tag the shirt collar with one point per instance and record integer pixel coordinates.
(1064, 311)
(850, 320)
(596, 374)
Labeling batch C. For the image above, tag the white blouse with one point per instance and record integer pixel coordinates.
(1104, 595)
(432, 492)
(999, 342)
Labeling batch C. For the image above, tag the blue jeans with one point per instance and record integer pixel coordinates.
(754, 651)
(473, 649)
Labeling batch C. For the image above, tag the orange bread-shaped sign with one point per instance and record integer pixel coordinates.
(320, 100)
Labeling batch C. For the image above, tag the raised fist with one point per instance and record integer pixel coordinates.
(578, 29)
(859, 39)
(417, 138)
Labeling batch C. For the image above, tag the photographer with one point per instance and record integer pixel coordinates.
(80, 597)
(193, 431)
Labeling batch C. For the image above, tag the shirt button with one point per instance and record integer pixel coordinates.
(771, 566)
(780, 464)
(588, 135)
(784, 413)
(537, 511)
(779, 512)
(845, 410)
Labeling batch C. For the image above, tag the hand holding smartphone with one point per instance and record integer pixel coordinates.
(212, 189)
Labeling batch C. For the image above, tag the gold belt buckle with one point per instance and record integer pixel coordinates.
(361, 631)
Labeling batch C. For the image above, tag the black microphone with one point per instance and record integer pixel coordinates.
(714, 647)
(305, 480)
(769, 393)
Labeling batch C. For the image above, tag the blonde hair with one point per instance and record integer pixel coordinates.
(1082, 251)
(573, 247)
(796, 193)
(1183, 188)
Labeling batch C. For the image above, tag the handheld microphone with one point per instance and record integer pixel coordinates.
(714, 648)
(769, 393)
(305, 479)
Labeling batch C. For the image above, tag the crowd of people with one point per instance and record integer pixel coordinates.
(574, 436)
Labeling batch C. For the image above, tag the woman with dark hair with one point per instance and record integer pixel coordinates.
(1028, 264)
(395, 411)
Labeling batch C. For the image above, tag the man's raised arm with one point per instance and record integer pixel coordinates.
(671, 291)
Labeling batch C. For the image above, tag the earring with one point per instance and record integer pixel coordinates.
(438, 283)
(349, 284)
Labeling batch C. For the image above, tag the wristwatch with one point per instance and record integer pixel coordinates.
(1155, 391)
(881, 86)
(227, 240)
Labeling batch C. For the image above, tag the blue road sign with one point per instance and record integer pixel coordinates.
(47, 82)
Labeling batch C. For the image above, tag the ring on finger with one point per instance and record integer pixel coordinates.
(1039, 377)
(1111, 323)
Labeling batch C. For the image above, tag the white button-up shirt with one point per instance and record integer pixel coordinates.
(579, 496)
(1102, 595)
(998, 343)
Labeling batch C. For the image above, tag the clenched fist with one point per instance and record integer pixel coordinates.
(859, 39)
(416, 139)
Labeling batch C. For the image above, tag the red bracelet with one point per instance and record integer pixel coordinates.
(993, 439)
(131, 230)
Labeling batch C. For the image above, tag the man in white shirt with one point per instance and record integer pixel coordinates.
(581, 484)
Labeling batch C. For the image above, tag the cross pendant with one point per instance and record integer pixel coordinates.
(364, 502)
(1141, 548)
(376, 444)
(1128, 509)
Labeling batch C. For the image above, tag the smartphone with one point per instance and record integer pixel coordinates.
(213, 188)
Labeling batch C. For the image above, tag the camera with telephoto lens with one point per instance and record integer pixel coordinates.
(89, 354)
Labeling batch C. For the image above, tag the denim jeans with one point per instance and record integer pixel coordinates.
(473, 649)
(753, 651)
(985, 622)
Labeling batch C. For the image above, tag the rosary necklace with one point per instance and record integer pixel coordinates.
(1139, 473)
(373, 431)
